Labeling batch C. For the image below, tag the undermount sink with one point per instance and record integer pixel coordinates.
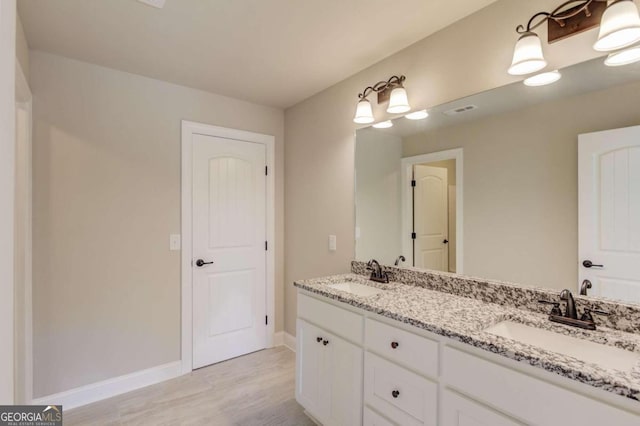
(584, 350)
(357, 289)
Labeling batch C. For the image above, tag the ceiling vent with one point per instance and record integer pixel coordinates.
(460, 110)
(155, 3)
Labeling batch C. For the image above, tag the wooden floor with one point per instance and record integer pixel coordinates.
(256, 389)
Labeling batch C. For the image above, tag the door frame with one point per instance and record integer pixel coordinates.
(24, 373)
(406, 169)
(189, 129)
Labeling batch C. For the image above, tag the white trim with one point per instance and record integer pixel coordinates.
(24, 102)
(190, 128)
(289, 341)
(108, 388)
(278, 338)
(406, 166)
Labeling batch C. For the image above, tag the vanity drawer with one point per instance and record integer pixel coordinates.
(522, 396)
(402, 396)
(332, 318)
(415, 352)
(371, 418)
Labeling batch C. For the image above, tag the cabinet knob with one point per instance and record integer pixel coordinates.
(326, 342)
(318, 339)
(394, 345)
(395, 393)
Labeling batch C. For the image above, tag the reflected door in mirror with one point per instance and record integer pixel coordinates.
(609, 221)
(430, 218)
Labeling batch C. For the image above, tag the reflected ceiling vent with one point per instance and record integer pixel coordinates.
(460, 110)
(155, 3)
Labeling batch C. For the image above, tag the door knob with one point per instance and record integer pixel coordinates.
(200, 263)
(590, 264)
(445, 241)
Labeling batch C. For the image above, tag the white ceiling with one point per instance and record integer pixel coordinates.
(272, 52)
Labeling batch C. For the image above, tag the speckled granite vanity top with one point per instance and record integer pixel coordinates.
(465, 318)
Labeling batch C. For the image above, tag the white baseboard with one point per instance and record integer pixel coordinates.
(289, 341)
(278, 338)
(282, 338)
(111, 387)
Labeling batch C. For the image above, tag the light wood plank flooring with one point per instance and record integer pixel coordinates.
(256, 389)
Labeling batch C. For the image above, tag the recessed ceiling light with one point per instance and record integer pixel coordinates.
(417, 115)
(543, 79)
(383, 124)
(624, 57)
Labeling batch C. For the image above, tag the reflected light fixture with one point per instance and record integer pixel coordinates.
(391, 90)
(417, 115)
(619, 23)
(383, 124)
(623, 57)
(543, 79)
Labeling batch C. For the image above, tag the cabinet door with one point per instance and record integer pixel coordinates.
(459, 411)
(311, 383)
(343, 367)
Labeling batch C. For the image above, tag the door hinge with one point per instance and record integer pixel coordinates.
(266, 170)
(413, 183)
(266, 246)
(266, 320)
(413, 235)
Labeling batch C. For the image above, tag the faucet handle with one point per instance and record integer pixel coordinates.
(556, 307)
(586, 316)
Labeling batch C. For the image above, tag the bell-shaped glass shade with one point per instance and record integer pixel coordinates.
(364, 113)
(398, 102)
(383, 124)
(620, 26)
(543, 79)
(623, 57)
(527, 55)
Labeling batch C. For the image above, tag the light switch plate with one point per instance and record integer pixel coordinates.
(332, 243)
(174, 242)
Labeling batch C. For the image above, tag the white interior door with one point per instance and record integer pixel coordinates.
(229, 229)
(609, 212)
(430, 218)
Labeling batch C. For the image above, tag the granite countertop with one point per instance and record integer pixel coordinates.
(464, 319)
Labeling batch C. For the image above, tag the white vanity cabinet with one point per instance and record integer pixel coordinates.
(379, 372)
(328, 367)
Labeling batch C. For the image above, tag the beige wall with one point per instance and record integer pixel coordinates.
(7, 164)
(106, 198)
(466, 58)
(22, 47)
(521, 183)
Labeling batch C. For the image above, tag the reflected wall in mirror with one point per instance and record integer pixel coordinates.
(519, 209)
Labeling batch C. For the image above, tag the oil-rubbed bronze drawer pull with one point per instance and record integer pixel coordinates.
(394, 345)
(395, 393)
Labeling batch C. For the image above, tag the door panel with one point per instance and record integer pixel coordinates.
(229, 229)
(609, 212)
(310, 380)
(345, 373)
(431, 218)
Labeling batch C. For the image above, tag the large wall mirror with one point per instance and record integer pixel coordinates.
(520, 184)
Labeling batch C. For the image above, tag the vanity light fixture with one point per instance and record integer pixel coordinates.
(391, 90)
(619, 27)
(543, 79)
(383, 124)
(623, 57)
(417, 115)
